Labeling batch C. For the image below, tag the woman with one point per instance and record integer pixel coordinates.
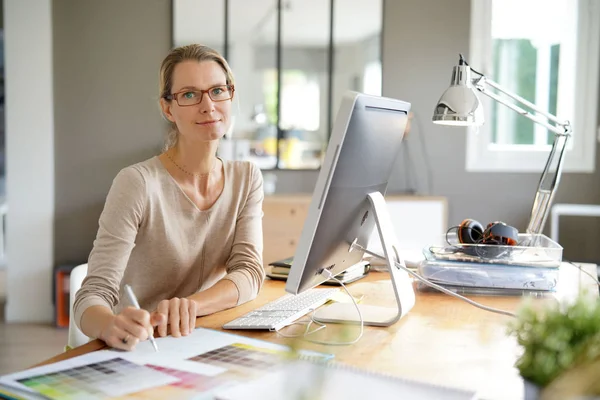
(183, 229)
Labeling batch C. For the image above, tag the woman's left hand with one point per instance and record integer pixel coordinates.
(180, 315)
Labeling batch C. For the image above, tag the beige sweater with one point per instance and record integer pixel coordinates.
(153, 237)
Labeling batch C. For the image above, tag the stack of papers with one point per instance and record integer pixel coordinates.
(208, 365)
(185, 367)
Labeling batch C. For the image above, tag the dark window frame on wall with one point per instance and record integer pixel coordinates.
(279, 70)
(278, 67)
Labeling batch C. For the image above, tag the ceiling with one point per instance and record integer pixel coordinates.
(304, 22)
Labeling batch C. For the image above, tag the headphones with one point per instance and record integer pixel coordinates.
(472, 232)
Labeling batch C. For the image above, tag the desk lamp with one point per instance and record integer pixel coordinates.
(460, 106)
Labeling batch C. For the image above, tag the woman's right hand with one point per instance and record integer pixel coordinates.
(126, 329)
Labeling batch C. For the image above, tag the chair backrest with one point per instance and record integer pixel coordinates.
(76, 337)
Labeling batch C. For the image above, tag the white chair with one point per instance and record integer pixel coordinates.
(580, 210)
(76, 337)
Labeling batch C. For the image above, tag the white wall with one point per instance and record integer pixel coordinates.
(30, 159)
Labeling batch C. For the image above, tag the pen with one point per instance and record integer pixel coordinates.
(135, 303)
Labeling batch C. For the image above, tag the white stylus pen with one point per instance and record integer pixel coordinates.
(135, 303)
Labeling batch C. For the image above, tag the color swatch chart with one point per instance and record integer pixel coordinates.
(101, 380)
(190, 386)
(196, 367)
(239, 355)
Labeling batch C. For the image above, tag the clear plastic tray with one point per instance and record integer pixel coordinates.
(486, 276)
(531, 250)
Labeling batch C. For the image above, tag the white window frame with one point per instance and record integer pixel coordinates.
(485, 156)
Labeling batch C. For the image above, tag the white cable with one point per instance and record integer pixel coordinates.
(438, 287)
(330, 276)
(594, 278)
(306, 332)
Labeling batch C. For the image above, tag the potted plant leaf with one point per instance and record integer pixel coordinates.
(560, 348)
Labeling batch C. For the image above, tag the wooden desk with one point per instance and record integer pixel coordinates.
(442, 340)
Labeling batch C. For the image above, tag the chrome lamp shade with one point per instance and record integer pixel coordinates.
(459, 104)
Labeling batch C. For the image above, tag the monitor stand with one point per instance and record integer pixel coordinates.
(345, 313)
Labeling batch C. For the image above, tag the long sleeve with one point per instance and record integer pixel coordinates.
(245, 264)
(118, 226)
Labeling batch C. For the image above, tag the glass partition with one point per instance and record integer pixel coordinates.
(252, 46)
(304, 82)
(293, 60)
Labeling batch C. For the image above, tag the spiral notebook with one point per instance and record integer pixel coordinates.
(336, 381)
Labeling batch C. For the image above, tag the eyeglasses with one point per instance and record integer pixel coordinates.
(188, 97)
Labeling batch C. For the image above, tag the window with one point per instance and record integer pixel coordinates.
(547, 52)
(300, 94)
(372, 78)
(293, 63)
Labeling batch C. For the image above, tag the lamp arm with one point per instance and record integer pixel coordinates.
(552, 172)
(522, 100)
(547, 185)
(561, 127)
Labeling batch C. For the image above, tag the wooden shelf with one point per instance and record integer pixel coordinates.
(416, 218)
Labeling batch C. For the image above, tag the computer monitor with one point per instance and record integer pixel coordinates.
(348, 203)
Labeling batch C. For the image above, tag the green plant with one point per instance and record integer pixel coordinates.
(556, 338)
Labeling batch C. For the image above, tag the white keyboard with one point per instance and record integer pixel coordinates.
(279, 313)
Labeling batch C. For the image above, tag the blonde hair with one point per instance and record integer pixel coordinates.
(194, 52)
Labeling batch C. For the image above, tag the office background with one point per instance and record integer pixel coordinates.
(100, 114)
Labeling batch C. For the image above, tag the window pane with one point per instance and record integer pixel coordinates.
(252, 56)
(526, 54)
(301, 94)
(304, 83)
(357, 48)
(372, 78)
(553, 100)
(514, 68)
